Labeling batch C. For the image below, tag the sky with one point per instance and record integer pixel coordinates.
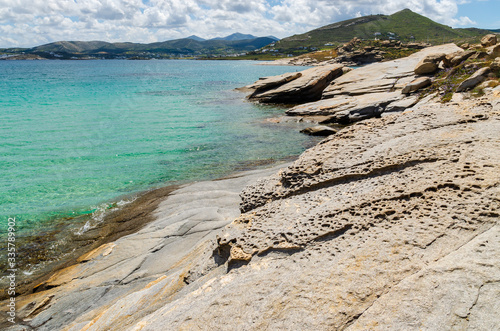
(28, 23)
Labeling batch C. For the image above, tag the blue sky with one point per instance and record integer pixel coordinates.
(486, 14)
(27, 23)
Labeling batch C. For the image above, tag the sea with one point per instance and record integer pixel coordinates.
(81, 137)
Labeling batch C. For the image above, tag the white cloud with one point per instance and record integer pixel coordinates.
(157, 20)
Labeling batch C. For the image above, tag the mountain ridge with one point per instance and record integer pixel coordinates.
(404, 25)
(190, 46)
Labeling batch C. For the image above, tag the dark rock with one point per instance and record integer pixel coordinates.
(495, 65)
(320, 130)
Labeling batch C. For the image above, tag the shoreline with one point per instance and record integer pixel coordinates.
(379, 213)
(118, 222)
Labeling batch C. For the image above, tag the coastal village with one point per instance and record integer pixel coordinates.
(391, 222)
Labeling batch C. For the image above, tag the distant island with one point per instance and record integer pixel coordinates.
(404, 26)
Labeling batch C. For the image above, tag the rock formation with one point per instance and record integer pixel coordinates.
(478, 77)
(368, 91)
(429, 64)
(319, 130)
(454, 59)
(416, 84)
(489, 40)
(307, 85)
(392, 223)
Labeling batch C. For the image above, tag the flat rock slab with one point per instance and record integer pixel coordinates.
(390, 224)
(384, 76)
(267, 83)
(137, 265)
(308, 87)
(348, 109)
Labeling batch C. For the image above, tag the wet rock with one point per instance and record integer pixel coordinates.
(416, 85)
(477, 78)
(319, 130)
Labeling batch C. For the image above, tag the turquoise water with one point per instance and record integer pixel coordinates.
(78, 135)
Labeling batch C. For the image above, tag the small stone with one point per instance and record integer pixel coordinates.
(320, 130)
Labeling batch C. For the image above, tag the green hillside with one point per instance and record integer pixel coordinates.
(168, 49)
(404, 25)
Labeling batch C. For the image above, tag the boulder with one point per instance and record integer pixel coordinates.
(489, 40)
(307, 87)
(454, 59)
(477, 78)
(495, 65)
(429, 64)
(319, 130)
(266, 83)
(416, 85)
(495, 50)
(424, 68)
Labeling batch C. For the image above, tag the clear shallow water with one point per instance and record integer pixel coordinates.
(75, 135)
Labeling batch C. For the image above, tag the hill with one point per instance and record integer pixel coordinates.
(404, 25)
(236, 36)
(194, 37)
(192, 46)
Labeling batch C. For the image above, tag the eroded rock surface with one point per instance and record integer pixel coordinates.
(115, 284)
(391, 224)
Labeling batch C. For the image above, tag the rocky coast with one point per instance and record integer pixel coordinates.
(390, 223)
